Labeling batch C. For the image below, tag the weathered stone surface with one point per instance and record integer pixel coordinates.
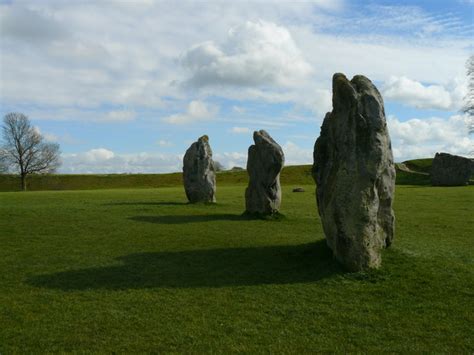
(199, 173)
(264, 164)
(451, 170)
(355, 174)
(298, 189)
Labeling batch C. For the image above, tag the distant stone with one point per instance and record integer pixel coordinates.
(237, 168)
(355, 174)
(298, 189)
(451, 170)
(199, 173)
(264, 164)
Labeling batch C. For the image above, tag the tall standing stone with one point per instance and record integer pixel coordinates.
(451, 170)
(199, 172)
(355, 174)
(264, 164)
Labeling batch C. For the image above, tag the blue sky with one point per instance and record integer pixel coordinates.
(127, 86)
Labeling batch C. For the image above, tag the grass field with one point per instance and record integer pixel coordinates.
(134, 270)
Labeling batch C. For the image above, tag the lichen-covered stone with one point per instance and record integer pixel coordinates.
(451, 170)
(355, 174)
(199, 172)
(264, 164)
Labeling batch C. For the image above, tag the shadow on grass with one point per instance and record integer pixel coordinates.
(138, 203)
(182, 219)
(177, 219)
(202, 268)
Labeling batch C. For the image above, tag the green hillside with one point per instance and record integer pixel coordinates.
(297, 175)
(419, 165)
(417, 174)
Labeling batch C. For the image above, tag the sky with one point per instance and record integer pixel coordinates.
(126, 86)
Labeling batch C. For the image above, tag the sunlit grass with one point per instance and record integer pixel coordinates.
(141, 270)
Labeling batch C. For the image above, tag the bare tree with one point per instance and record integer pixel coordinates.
(24, 149)
(468, 107)
(3, 162)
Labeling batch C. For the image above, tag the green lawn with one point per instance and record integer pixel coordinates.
(134, 270)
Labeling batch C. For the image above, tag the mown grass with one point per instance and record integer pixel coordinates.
(139, 270)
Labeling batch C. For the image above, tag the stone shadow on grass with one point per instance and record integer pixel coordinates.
(288, 264)
(180, 219)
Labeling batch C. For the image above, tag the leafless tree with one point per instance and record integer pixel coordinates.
(3, 162)
(24, 149)
(468, 107)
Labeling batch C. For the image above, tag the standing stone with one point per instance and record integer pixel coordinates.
(199, 173)
(451, 170)
(355, 174)
(264, 164)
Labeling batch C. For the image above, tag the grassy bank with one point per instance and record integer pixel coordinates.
(291, 175)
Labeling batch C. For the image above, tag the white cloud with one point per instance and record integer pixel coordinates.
(380, 56)
(57, 53)
(102, 160)
(98, 155)
(120, 116)
(240, 130)
(255, 54)
(414, 93)
(231, 159)
(49, 137)
(296, 155)
(422, 138)
(196, 111)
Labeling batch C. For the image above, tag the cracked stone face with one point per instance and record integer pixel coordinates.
(199, 172)
(264, 164)
(355, 174)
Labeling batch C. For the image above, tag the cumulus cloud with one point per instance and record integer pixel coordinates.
(196, 111)
(422, 138)
(101, 160)
(414, 93)
(71, 66)
(255, 54)
(231, 159)
(296, 155)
